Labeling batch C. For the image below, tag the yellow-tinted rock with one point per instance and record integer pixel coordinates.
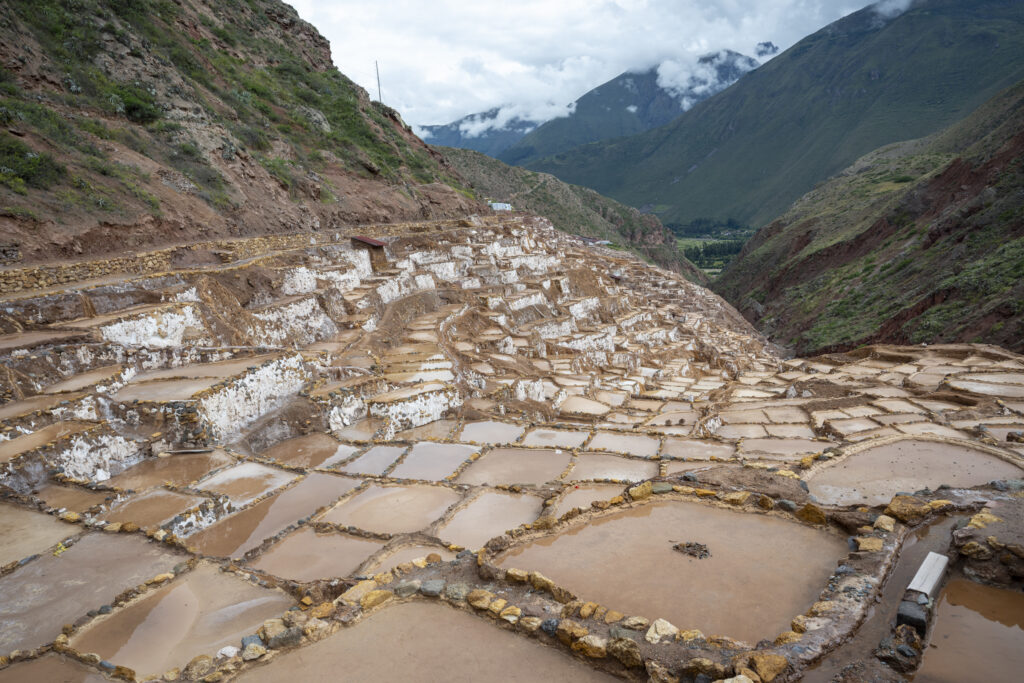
(686, 490)
(869, 544)
(812, 514)
(976, 551)
(768, 665)
(479, 598)
(705, 493)
(374, 598)
(306, 601)
(592, 646)
(113, 527)
(517, 575)
(787, 637)
(907, 509)
(765, 502)
(885, 523)
(569, 630)
(938, 505)
(822, 607)
(599, 613)
(736, 497)
(384, 578)
(612, 616)
(690, 635)
(587, 610)
(354, 594)
(541, 582)
(323, 610)
(496, 606)
(160, 578)
(530, 624)
(807, 462)
(511, 614)
(70, 516)
(641, 491)
(983, 519)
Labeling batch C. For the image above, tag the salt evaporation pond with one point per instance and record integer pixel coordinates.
(625, 561)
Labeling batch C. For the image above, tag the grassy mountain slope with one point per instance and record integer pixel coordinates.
(628, 104)
(859, 83)
(921, 241)
(573, 209)
(132, 123)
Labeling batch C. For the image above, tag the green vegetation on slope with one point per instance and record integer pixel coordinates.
(572, 209)
(921, 241)
(859, 83)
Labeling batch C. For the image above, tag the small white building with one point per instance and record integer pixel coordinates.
(500, 206)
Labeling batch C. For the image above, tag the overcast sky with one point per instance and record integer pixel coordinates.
(443, 59)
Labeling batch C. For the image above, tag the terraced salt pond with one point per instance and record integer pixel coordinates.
(314, 450)
(23, 444)
(393, 509)
(559, 438)
(582, 495)
(246, 482)
(752, 555)
(179, 469)
(875, 475)
(50, 668)
(516, 466)
(490, 432)
(605, 466)
(421, 641)
(198, 613)
(25, 532)
(432, 461)
(978, 635)
(306, 555)
(488, 515)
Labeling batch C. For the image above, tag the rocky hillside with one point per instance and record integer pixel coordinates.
(571, 208)
(864, 81)
(628, 104)
(133, 123)
(921, 241)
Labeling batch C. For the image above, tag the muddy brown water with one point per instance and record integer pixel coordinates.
(490, 432)
(978, 635)
(752, 555)
(604, 466)
(50, 669)
(13, 341)
(408, 553)
(880, 616)
(782, 448)
(178, 470)
(246, 482)
(313, 450)
(70, 497)
(374, 461)
(582, 495)
(393, 509)
(86, 379)
(152, 508)
(426, 641)
(39, 598)
(23, 444)
(432, 461)
(516, 466)
(487, 516)
(160, 390)
(235, 535)
(643, 446)
(305, 555)
(874, 475)
(555, 437)
(27, 532)
(198, 613)
(29, 405)
(439, 429)
(692, 449)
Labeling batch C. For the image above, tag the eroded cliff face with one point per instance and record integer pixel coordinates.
(135, 125)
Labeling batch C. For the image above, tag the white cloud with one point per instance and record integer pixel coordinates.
(888, 9)
(444, 59)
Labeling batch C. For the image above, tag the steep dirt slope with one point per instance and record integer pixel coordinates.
(573, 209)
(921, 241)
(127, 124)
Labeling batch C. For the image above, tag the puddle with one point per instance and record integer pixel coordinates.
(782, 448)
(23, 444)
(601, 466)
(516, 466)
(490, 432)
(582, 495)
(751, 556)
(555, 437)
(314, 450)
(306, 555)
(26, 532)
(181, 469)
(152, 508)
(489, 515)
(978, 635)
(374, 461)
(426, 641)
(70, 497)
(432, 461)
(39, 598)
(246, 482)
(86, 379)
(408, 553)
(583, 406)
(643, 446)
(50, 669)
(393, 509)
(198, 613)
(235, 535)
(438, 429)
(873, 476)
